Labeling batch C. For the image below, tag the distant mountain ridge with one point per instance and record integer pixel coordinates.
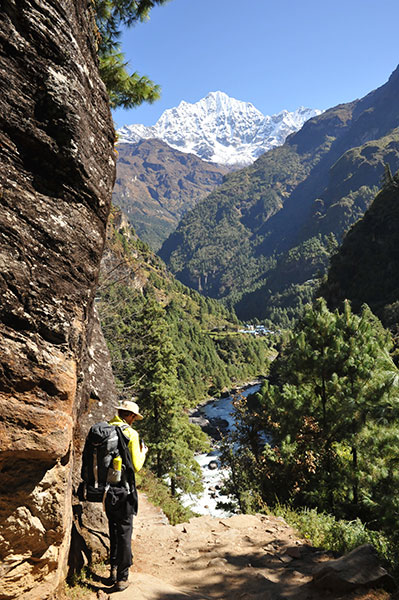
(220, 129)
(156, 185)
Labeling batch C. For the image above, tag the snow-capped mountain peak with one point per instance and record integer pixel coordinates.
(220, 129)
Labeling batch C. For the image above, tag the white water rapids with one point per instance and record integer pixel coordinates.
(212, 478)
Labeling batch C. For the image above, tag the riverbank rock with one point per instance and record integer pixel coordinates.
(57, 168)
(198, 419)
(215, 427)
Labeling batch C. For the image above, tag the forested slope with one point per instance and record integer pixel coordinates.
(366, 267)
(137, 292)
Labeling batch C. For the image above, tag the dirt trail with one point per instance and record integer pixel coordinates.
(240, 558)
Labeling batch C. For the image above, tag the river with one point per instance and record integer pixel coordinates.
(216, 412)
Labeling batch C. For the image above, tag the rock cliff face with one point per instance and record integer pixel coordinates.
(57, 169)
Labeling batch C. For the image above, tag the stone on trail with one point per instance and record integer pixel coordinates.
(359, 568)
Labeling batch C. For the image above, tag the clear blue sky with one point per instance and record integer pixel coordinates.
(274, 53)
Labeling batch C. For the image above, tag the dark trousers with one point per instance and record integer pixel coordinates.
(120, 534)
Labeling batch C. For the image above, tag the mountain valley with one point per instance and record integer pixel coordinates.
(247, 211)
(264, 237)
(165, 170)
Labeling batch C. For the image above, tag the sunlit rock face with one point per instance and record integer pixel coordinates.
(56, 175)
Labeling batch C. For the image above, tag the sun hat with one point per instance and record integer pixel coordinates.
(130, 406)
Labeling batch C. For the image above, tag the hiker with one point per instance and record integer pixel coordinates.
(120, 519)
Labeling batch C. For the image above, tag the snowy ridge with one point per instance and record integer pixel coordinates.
(220, 129)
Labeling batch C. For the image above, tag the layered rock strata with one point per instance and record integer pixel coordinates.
(57, 169)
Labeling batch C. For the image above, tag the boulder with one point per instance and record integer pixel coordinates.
(200, 421)
(215, 428)
(360, 568)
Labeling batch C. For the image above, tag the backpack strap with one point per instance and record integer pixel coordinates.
(105, 495)
(95, 466)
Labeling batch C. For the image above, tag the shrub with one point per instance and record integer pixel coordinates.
(159, 494)
(325, 531)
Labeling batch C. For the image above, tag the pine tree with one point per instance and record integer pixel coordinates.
(363, 390)
(365, 383)
(172, 439)
(123, 89)
(241, 452)
(332, 385)
(126, 90)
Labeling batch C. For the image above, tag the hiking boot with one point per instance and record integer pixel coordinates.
(121, 585)
(112, 575)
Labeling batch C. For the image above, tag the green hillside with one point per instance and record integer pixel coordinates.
(211, 354)
(265, 236)
(366, 268)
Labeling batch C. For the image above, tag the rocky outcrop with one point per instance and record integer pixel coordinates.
(361, 568)
(56, 175)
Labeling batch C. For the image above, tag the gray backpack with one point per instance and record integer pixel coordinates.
(104, 443)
